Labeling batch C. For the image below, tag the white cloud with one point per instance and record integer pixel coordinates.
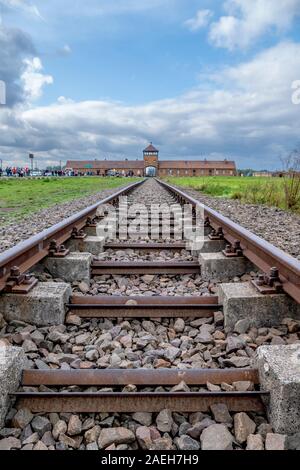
(66, 49)
(33, 78)
(201, 20)
(246, 114)
(23, 5)
(248, 20)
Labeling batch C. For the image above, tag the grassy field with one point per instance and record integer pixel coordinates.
(20, 197)
(269, 191)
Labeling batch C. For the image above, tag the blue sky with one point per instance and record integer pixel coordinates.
(197, 77)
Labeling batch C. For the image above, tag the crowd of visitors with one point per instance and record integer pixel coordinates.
(22, 172)
(15, 171)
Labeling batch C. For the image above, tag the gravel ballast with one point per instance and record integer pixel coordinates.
(15, 232)
(149, 344)
(159, 343)
(279, 227)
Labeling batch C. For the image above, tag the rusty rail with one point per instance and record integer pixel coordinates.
(145, 267)
(28, 253)
(118, 377)
(144, 307)
(143, 402)
(260, 252)
(122, 402)
(145, 246)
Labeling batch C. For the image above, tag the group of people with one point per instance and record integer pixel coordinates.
(22, 172)
(15, 171)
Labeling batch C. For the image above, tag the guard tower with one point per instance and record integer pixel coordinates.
(151, 160)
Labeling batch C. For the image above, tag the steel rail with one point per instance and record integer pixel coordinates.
(144, 377)
(142, 300)
(145, 246)
(119, 402)
(29, 252)
(145, 267)
(261, 253)
(144, 307)
(124, 402)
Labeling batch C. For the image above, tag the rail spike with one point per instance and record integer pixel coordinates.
(216, 234)
(268, 284)
(78, 234)
(57, 251)
(18, 283)
(233, 251)
(92, 221)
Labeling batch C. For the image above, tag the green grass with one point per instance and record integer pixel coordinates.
(269, 191)
(20, 197)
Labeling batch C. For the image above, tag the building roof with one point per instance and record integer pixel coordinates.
(106, 164)
(150, 148)
(197, 164)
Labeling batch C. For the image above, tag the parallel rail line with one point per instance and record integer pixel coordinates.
(263, 255)
(260, 252)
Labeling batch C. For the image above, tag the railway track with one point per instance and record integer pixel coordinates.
(162, 322)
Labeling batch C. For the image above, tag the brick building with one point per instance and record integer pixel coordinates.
(152, 166)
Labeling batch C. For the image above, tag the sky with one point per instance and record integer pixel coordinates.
(90, 79)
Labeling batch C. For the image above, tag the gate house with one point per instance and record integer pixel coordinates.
(152, 166)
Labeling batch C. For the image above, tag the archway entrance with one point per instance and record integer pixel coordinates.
(150, 171)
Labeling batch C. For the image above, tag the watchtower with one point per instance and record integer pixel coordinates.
(150, 160)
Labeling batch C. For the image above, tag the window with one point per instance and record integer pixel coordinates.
(186, 172)
(170, 172)
(194, 172)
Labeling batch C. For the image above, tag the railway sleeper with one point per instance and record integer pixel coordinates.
(277, 388)
(122, 402)
(218, 266)
(243, 301)
(46, 304)
(145, 267)
(144, 246)
(143, 307)
(89, 244)
(138, 402)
